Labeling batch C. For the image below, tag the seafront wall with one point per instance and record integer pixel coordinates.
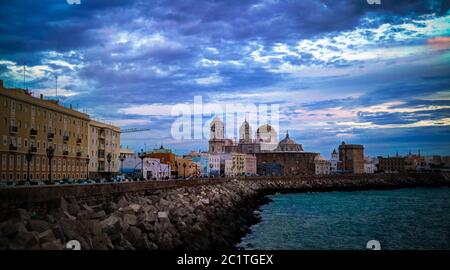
(190, 215)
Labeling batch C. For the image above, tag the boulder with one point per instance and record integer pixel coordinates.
(130, 219)
(109, 223)
(53, 245)
(38, 225)
(47, 236)
(19, 215)
(163, 216)
(11, 227)
(98, 215)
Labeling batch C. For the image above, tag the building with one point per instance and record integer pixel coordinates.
(33, 125)
(250, 165)
(154, 169)
(184, 167)
(104, 140)
(322, 166)
(233, 164)
(217, 140)
(166, 157)
(202, 163)
(288, 145)
(395, 164)
(334, 161)
(351, 157)
(131, 165)
(370, 165)
(214, 164)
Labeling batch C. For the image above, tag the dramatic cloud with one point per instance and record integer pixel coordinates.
(340, 70)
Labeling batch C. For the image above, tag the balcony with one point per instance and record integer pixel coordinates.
(65, 138)
(78, 140)
(65, 153)
(101, 146)
(13, 129)
(33, 149)
(12, 147)
(101, 134)
(78, 154)
(33, 132)
(101, 168)
(50, 135)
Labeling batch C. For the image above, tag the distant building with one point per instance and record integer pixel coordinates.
(370, 165)
(351, 157)
(214, 164)
(250, 165)
(166, 157)
(233, 164)
(154, 169)
(184, 167)
(395, 164)
(334, 161)
(322, 166)
(103, 139)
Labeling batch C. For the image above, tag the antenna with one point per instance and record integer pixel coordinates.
(24, 75)
(56, 83)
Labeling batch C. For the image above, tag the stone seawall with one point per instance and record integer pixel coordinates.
(188, 215)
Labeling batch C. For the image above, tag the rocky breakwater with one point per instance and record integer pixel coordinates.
(200, 217)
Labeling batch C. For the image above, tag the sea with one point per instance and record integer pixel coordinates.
(403, 219)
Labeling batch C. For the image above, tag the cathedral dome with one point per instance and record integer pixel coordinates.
(289, 145)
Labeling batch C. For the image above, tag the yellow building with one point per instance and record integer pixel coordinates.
(104, 139)
(234, 164)
(30, 124)
(184, 167)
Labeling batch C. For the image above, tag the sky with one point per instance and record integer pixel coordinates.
(377, 75)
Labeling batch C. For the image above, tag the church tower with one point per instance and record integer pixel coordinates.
(245, 133)
(216, 138)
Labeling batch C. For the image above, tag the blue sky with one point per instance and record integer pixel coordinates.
(339, 70)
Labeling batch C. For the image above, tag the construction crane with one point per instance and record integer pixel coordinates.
(132, 130)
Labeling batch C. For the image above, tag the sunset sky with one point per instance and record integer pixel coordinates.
(377, 75)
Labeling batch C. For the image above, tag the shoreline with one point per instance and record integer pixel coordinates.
(190, 216)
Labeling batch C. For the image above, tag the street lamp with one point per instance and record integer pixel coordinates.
(141, 155)
(28, 157)
(50, 154)
(87, 167)
(122, 157)
(108, 158)
(210, 169)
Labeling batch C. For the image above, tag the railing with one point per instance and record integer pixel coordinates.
(78, 140)
(50, 135)
(33, 132)
(13, 129)
(66, 138)
(101, 146)
(33, 149)
(12, 147)
(65, 152)
(78, 154)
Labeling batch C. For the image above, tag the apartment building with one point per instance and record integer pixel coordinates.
(31, 125)
(104, 140)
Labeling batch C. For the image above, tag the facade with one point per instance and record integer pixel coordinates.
(250, 165)
(351, 157)
(395, 164)
(214, 164)
(291, 163)
(154, 169)
(166, 157)
(288, 145)
(202, 163)
(370, 165)
(104, 139)
(31, 124)
(184, 167)
(233, 164)
(334, 161)
(321, 165)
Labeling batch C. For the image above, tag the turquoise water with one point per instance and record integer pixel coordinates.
(399, 219)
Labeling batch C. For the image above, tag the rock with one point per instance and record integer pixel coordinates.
(98, 215)
(10, 228)
(135, 207)
(38, 225)
(69, 216)
(19, 215)
(47, 236)
(102, 242)
(163, 216)
(53, 245)
(130, 219)
(69, 229)
(109, 223)
(25, 240)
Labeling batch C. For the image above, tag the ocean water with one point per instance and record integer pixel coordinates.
(405, 219)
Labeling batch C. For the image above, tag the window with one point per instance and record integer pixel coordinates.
(5, 140)
(25, 143)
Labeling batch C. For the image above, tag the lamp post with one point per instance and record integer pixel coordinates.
(122, 157)
(108, 158)
(28, 157)
(141, 155)
(210, 169)
(50, 154)
(87, 167)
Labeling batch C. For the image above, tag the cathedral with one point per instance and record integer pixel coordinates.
(273, 158)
